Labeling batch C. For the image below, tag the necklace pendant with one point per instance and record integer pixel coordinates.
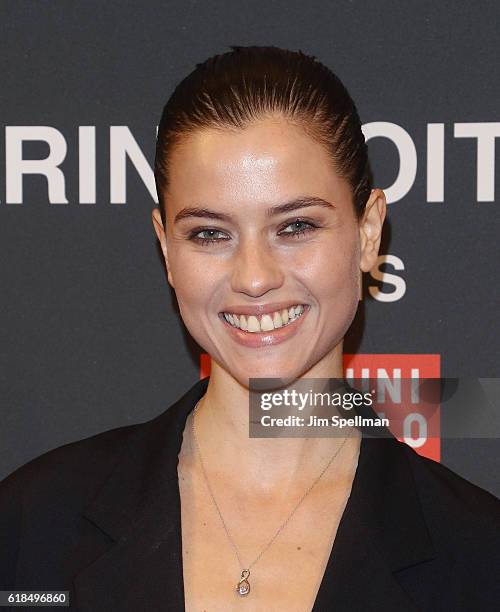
(243, 586)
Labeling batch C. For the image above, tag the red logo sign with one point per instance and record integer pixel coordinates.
(415, 425)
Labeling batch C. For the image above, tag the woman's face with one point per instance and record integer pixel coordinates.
(258, 223)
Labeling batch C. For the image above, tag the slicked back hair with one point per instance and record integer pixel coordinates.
(231, 90)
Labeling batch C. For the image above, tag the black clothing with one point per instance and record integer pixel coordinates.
(101, 518)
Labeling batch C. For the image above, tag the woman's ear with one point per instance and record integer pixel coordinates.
(370, 229)
(162, 237)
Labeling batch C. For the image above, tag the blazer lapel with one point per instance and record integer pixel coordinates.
(139, 507)
(382, 531)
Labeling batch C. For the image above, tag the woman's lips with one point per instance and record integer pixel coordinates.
(265, 338)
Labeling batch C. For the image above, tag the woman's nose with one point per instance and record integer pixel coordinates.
(256, 269)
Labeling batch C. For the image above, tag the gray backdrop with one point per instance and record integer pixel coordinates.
(90, 335)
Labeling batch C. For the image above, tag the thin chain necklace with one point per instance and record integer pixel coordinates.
(243, 585)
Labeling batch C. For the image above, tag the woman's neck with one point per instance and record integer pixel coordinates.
(265, 464)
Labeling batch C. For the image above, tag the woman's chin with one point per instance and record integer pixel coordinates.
(265, 376)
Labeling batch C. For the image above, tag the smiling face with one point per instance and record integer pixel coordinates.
(261, 227)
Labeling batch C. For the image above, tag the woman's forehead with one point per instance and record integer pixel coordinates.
(266, 159)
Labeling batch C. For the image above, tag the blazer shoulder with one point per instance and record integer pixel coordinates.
(67, 468)
(451, 501)
(34, 493)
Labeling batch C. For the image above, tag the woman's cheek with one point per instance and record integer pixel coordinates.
(196, 282)
(188, 272)
(341, 282)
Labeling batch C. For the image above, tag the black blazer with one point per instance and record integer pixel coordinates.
(101, 518)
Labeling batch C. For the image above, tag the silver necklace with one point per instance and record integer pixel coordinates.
(243, 585)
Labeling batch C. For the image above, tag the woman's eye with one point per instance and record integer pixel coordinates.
(299, 228)
(207, 236)
(211, 236)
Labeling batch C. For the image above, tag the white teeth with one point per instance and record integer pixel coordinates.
(253, 324)
(267, 322)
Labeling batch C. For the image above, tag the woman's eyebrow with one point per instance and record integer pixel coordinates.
(296, 203)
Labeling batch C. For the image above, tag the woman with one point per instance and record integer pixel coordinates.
(267, 219)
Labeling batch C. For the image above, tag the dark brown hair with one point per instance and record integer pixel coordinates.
(231, 90)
